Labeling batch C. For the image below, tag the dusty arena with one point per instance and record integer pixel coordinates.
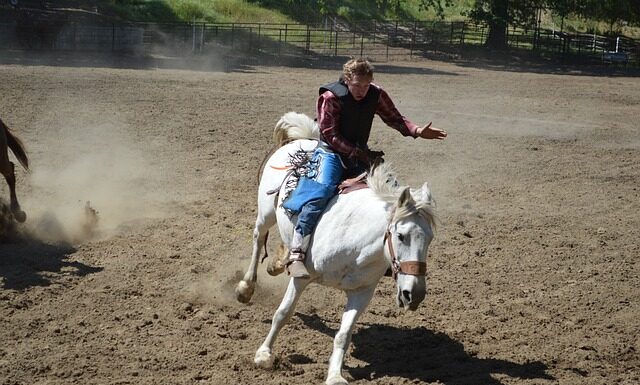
(141, 198)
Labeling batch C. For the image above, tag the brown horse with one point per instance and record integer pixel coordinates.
(8, 140)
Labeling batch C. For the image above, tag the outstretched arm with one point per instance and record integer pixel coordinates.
(429, 132)
(392, 117)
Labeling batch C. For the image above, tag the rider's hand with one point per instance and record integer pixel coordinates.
(375, 154)
(428, 132)
(360, 155)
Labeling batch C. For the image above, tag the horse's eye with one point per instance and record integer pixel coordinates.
(401, 237)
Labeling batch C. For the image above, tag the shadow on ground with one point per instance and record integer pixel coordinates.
(207, 62)
(424, 355)
(526, 61)
(234, 62)
(26, 261)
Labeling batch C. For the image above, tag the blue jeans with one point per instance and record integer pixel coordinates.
(310, 214)
(326, 171)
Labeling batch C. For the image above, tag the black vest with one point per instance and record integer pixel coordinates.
(356, 117)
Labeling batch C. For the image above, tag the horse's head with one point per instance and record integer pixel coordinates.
(410, 232)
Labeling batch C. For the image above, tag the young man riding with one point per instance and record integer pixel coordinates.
(345, 111)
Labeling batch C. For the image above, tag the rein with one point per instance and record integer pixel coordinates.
(405, 267)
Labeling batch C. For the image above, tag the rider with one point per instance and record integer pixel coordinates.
(345, 111)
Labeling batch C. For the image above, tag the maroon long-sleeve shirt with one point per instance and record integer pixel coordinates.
(328, 110)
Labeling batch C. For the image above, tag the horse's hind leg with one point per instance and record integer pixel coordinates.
(246, 287)
(8, 170)
(276, 264)
(264, 357)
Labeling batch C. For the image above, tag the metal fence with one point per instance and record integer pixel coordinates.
(381, 41)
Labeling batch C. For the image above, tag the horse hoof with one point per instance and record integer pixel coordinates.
(336, 380)
(20, 216)
(264, 359)
(275, 268)
(244, 291)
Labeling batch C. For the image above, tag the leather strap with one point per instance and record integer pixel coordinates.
(407, 267)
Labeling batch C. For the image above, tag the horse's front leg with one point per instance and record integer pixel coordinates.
(264, 357)
(9, 175)
(357, 302)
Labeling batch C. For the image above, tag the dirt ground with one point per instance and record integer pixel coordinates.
(533, 275)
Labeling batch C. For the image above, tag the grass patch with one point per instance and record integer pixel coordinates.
(212, 11)
(304, 11)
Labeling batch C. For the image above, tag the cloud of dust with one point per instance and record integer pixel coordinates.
(92, 182)
(221, 289)
(201, 56)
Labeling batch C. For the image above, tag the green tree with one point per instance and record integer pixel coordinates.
(495, 13)
(437, 5)
(564, 8)
(613, 12)
(498, 14)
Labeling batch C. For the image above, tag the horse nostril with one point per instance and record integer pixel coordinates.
(406, 294)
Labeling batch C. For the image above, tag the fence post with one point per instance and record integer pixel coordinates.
(353, 39)
(413, 38)
(451, 35)
(202, 37)
(259, 33)
(308, 42)
(193, 35)
(336, 47)
(374, 32)
(388, 43)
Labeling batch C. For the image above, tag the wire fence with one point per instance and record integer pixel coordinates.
(381, 41)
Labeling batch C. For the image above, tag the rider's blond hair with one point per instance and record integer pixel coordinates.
(360, 67)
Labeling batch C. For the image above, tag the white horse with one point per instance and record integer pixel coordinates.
(359, 236)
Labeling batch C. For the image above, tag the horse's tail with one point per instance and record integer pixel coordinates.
(294, 125)
(15, 144)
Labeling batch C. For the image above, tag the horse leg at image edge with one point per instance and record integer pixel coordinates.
(357, 302)
(264, 358)
(10, 177)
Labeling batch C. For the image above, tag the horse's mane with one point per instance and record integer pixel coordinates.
(382, 180)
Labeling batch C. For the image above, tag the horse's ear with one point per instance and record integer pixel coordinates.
(426, 193)
(405, 198)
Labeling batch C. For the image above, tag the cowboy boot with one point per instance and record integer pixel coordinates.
(295, 264)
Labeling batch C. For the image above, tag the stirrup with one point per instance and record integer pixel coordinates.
(295, 264)
(296, 255)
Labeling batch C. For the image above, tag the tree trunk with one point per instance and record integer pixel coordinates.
(497, 37)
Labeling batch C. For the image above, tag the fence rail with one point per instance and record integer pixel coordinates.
(381, 41)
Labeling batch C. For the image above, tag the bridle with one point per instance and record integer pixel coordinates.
(405, 267)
